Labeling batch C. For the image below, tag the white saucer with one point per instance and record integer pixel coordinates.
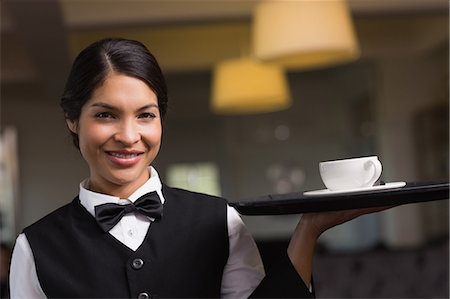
(377, 187)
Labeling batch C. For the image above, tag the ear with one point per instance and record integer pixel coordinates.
(72, 125)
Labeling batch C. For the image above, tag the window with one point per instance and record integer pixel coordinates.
(198, 177)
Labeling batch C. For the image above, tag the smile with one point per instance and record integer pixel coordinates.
(124, 155)
(124, 158)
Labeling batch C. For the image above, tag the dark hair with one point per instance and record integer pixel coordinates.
(94, 63)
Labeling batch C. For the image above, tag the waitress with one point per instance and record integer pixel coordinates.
(126, 234)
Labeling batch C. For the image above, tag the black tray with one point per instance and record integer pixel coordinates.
(295, 203)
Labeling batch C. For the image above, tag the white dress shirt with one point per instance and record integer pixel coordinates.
(242, 274)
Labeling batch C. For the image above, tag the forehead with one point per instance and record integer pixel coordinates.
(118, 88)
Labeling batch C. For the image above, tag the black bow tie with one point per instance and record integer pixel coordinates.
(109, 214)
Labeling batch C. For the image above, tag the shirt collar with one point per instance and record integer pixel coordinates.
(89, 199)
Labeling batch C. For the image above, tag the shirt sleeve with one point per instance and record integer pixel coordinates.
(24, 283)
(282, 281)
(244, 269)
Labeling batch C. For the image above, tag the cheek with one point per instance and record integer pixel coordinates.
(86, 145)
(91, 137)
(153, 136)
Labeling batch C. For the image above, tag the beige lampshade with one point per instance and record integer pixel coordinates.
(304, 34)
(246, 86)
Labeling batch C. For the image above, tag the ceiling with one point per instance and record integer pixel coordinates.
(81, 13)
(40, 38)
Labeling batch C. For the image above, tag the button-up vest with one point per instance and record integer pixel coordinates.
(182, 256)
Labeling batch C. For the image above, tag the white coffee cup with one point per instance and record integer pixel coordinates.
(350, 173)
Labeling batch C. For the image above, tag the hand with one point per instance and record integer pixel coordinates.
(318, 223)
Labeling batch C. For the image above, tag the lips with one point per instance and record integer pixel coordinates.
(124, 158)
(123, 155)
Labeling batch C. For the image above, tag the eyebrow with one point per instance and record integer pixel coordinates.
(111, 107)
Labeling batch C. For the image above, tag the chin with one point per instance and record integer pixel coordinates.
(127, 178)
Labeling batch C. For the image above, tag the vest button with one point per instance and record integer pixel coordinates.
(138, 264)
(143, 295)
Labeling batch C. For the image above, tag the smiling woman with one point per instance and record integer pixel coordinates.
(122, 236)
(119, 134)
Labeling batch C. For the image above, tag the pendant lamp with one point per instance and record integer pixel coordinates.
(246, 86)
(304, 34)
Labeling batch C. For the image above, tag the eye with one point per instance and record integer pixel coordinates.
(147, 115)
(104, 115)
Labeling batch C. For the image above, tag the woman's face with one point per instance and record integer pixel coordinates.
(119, 132)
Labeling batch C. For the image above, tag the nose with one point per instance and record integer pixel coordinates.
(127, 133)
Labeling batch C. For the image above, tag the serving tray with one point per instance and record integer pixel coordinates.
(295, 203)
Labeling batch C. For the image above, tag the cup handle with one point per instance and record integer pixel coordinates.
(376, 173)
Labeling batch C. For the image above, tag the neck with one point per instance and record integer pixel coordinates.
(122, 191)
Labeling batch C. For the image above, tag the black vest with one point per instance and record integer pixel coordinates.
(183, 255)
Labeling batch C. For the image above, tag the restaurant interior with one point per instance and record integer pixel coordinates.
(245, 121)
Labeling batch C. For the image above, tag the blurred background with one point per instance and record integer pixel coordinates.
(387, 96)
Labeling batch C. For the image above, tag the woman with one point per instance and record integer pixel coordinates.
(128, 235)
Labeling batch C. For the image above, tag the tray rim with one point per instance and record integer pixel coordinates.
(297, 203)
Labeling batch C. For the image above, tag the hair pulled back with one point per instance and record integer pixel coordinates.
(93, 64)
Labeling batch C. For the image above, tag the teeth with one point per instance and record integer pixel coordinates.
(123, 156)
